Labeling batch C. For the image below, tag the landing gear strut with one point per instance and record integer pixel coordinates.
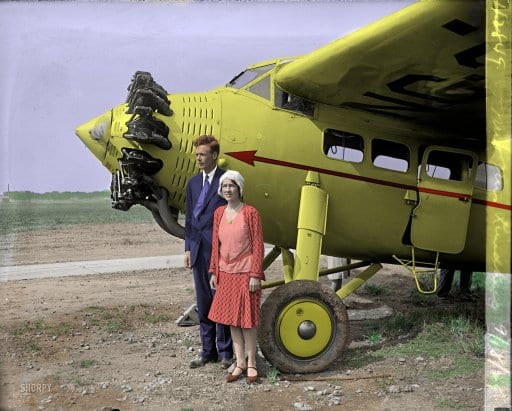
(304, 325)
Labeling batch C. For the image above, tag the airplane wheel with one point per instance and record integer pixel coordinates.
(304, 327)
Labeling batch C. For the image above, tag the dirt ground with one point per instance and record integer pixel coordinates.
(110, 342)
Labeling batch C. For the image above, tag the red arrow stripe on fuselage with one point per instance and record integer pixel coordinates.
(249, 157)
(492, 204)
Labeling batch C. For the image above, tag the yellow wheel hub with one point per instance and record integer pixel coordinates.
(305, 328)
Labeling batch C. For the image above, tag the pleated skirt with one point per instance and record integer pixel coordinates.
(233, 304)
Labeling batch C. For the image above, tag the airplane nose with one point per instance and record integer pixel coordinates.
(95, 134)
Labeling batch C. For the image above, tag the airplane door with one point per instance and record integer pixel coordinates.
(445, 185)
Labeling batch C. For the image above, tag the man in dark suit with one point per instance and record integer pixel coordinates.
(201, 201)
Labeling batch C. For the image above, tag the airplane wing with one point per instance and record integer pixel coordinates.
(423, 65)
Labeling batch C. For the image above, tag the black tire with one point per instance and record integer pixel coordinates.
(304, 327)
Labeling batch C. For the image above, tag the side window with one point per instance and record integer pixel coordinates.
(261, 88)
(488, 177)
(343, 146)
(390, 155)
(292, 102)
(448, 166)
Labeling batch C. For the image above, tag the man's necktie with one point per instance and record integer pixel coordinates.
(202, 196)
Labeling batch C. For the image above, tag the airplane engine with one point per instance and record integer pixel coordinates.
(145, 96)
(136, 185)
(133, 169)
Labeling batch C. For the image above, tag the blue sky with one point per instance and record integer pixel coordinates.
(64, 63)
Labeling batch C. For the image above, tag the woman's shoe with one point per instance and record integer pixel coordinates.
(251, 379)
(234, 377)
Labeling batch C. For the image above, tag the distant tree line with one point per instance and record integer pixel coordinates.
(58, 195)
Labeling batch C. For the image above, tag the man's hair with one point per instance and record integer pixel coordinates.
(209, 141)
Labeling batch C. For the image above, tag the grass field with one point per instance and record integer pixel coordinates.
(63, 211)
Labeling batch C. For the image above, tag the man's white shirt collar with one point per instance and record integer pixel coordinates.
(210, 175)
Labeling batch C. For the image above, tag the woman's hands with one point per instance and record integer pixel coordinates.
(213, 281)
(254, 284)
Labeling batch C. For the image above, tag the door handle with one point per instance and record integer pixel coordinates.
(411, 197)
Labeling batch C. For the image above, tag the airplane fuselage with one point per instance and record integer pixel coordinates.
(368, 165)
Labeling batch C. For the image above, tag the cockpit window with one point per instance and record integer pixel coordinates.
(245, 77)
(261, 88)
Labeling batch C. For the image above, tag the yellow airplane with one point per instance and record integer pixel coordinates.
(389, 145)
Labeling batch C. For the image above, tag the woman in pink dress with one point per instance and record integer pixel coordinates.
(236, 267)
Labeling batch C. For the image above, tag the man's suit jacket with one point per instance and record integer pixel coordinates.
(198, 232)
